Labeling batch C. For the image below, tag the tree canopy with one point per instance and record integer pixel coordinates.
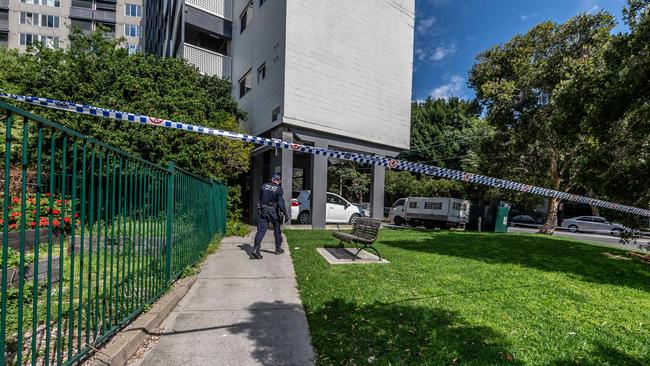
(98, 70)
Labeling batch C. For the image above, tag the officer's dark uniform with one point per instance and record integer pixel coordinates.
(271, 204)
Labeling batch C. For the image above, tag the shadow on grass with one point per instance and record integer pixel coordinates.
(398, 334)
(553, 255)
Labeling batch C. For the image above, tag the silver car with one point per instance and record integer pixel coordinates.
(594, 224)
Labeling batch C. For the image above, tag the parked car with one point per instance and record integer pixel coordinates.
(338, 209)
(592, 224)
(364, 209)
(431, 212)
(524, 220)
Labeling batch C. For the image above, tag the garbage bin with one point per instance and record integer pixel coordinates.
(502, 218)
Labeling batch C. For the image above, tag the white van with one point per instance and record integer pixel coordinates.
(430, 212)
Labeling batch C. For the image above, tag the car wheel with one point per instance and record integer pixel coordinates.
(354, 218)
(304, 218)
(616, 232)
(573, 228)
(398, 221)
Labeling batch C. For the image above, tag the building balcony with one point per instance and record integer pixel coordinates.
(4, 4)
(208, 62)
(104, 16)
(220, 8)
(81, 13)
(4, 25)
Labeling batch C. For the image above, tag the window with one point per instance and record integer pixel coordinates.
(49, 21)
(245, 84)
(27, 39)
(413, 204)
(399, 202)
(52, 3)
(585, 218)
(28, 18)
(433, 205)
(133, 48)
(132, 30)
(132, 10)
(261, 73)
(459, 206)
(335, 200)
(599, 220)
(246, 17)
(275, 114)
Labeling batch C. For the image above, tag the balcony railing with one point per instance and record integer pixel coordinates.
(4, 4)
(84, 13)
(4, 24)
(105, 16)
(222, 8)
(208, 62)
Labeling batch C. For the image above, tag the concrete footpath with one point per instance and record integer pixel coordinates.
(238, 312)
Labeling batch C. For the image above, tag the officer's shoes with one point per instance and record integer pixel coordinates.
(256, 255)
(279, 251)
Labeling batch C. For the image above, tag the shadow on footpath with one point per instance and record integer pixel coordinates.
(536, 252)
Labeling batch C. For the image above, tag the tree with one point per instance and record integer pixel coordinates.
(97, 69)
(534, 89)
(446, 133)
(349, 180)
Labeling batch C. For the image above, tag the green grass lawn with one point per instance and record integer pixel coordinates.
(475, 299)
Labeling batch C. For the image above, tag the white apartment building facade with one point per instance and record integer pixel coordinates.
(333, 74)
(23, 22)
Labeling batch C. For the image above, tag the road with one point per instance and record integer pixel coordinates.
(595, 239)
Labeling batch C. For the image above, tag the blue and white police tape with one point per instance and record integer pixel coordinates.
(358, 158)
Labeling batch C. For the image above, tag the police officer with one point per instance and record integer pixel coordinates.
(271, 211)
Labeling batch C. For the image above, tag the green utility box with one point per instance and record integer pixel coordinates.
(501, 225)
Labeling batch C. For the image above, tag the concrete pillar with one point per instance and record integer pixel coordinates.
(287, 172)
(258, 173)
(377, 191)
(318, 189)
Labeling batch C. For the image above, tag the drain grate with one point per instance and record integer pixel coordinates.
(340, 253)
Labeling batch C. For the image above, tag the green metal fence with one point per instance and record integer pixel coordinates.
(91, 235)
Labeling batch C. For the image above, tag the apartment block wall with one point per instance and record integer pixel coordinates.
(15, 28)
(349, 68)
(63, 31)
(262, 42)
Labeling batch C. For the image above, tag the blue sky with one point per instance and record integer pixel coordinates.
(450, 33)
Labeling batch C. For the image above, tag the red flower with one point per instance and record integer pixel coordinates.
(56, 222)
(66, 220)
(15, 200)
(15, 214)
(55, 211)
(34, 212)
(76, 215)
(12, 226)
(32, 224)
(2, 222)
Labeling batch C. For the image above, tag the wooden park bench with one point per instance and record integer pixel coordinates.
(363, 235)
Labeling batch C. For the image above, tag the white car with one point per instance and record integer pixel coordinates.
(338, 209)
(594, 224)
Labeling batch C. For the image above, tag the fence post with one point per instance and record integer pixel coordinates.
(170, 222)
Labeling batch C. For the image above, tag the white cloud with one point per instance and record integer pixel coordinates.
(442, 52)
(594, 9)
(525, 17)
(453, 88)
(426, 25)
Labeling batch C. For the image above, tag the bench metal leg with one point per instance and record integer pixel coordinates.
(356, 255)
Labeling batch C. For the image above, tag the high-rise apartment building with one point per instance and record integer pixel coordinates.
(333, 73)
(23, 22)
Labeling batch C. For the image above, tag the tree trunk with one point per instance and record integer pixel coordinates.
(553, 203)
(551, 217)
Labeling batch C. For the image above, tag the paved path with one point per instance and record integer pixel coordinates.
(238, 312)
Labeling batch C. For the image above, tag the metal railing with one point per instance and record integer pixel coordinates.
(104, 15)
(84, 13)
(4, 4)
(208, 62)
(221, 8)
(91, 236)
(4, 24)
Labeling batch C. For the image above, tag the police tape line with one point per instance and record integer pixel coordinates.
(355, 157)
